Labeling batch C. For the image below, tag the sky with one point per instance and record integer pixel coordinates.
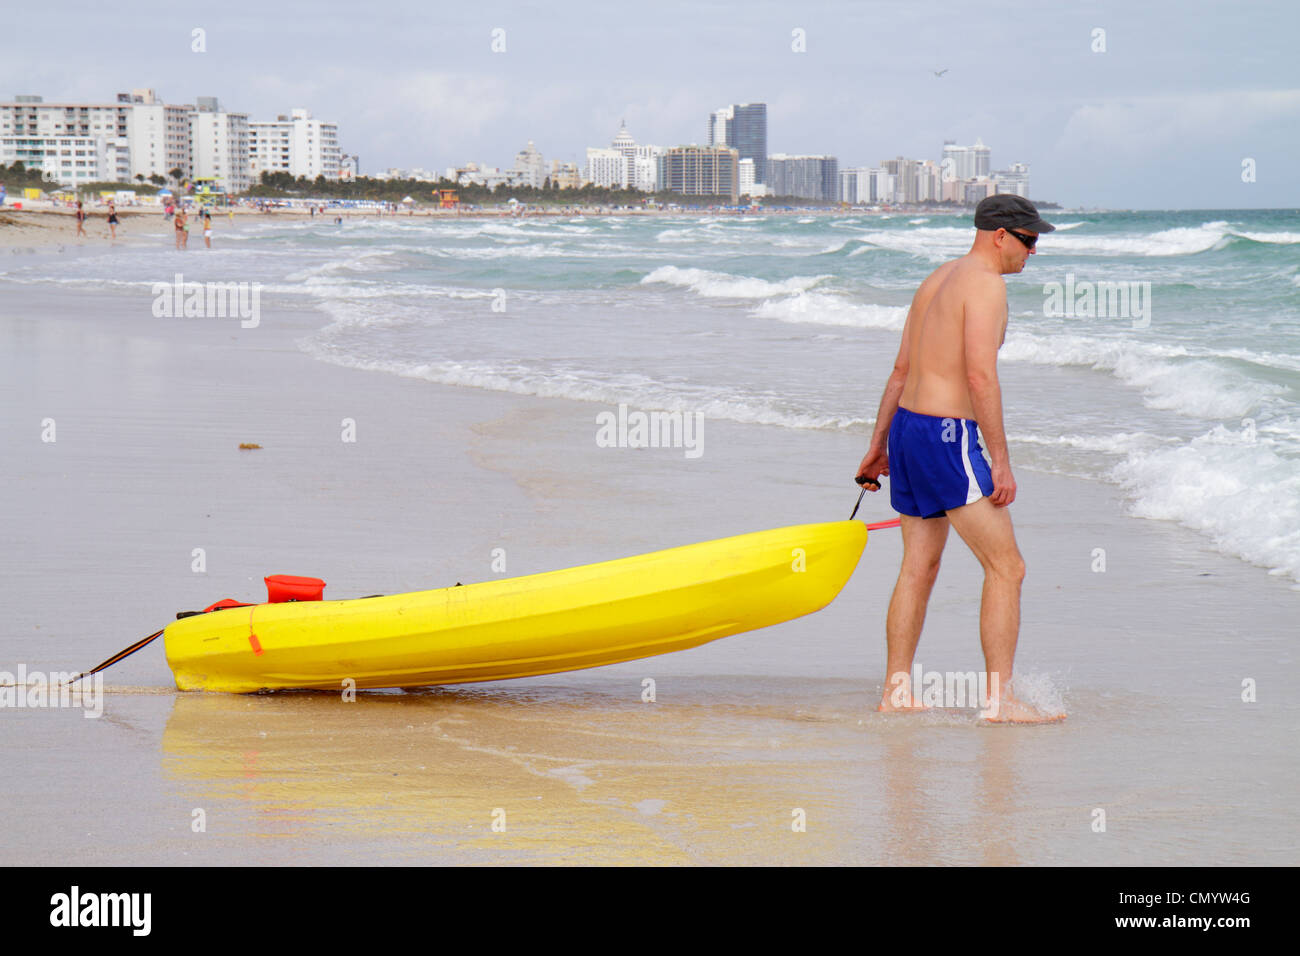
(1162, 109)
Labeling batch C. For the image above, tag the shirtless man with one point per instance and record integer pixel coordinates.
(945, 380)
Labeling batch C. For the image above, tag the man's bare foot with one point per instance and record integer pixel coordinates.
(1008, 710)
(897, 697)
(887, 706)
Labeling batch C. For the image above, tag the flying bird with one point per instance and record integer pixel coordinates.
(940, 72)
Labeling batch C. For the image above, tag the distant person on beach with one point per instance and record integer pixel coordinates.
(81, 220)
(112, 220)
(942, 394)
(179, 225)
(207, 228)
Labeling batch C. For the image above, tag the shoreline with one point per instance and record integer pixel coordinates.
(33, 227)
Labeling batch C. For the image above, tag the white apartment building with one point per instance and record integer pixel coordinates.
(219, 145)
(748, 186)
(606, 168)
(882, 185)
(140, 136)
(965, 162)
(529, 168)
(295, 144)
(643, 172)
(640, 169)
(855, 184)
(66, 160)
(29, 119)
(1013, 180)
(158, 132)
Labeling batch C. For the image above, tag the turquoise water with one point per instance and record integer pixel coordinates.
(1189, 398)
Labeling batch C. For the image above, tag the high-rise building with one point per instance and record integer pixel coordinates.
(295, 144)
(855, 185)
(702, 171)
(640, 164)
(964, 162)
(219, 145)
(1013, 180)
(606, 168)
(28, 119)
(742, 126)
(719, 121)
(883, 185)
(804, 177)
(530, 167)
(159, 133)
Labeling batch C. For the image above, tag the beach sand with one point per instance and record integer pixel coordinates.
(747, 737)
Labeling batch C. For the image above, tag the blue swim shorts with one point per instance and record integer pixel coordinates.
(935, 464)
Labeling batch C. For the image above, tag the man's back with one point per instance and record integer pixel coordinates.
(937, 374)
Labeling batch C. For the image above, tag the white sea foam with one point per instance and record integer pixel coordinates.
(1183, 241)
(1169, 376)
(828, 308)
(1121, 443)
(720, 285)
(590, 386)
(1280, 238)
(1242, 491)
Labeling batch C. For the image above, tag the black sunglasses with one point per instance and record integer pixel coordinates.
(1029, 241)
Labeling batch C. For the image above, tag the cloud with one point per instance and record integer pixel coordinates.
(1133, 127)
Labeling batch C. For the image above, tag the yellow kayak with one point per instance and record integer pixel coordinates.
(521, 627)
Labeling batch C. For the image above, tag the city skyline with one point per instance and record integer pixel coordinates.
(1161, 109)
(136, 135)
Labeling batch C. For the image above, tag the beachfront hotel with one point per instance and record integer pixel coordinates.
(140, 136)
(625, 164)
(702, 171)
(68, 142)
(807, 177)
(742, 126)
(296, 144)
(158, 134)
(219, 145)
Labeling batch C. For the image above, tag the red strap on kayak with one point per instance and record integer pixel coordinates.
(252, 638)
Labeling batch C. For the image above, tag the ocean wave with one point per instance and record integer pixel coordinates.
(1171, 377)
(638, 391)
(1279, 238)
(1237, 487)
(720, 285)
(828, 308)
(1122, 443)
(1180, 241)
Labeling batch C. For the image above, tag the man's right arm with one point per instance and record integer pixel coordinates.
(876, 461)
(983, 331)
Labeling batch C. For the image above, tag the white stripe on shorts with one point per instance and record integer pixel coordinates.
(973, 492)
